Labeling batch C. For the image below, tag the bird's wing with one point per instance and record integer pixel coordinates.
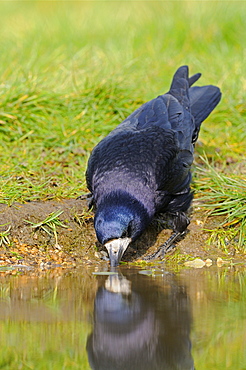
(139, 159)
(152, 146)
(156, 141)
(170, 111)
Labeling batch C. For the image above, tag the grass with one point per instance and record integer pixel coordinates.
(4, 240)
(224, 196)
(71, 71)
(49, 224)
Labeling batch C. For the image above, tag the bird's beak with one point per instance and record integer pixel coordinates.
(116, 249)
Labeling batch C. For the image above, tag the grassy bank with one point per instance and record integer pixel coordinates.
(71, 71)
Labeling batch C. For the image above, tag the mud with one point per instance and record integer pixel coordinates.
(76, 240)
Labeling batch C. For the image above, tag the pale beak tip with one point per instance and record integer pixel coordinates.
(116, 249)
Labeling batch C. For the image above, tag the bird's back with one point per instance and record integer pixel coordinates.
(151, 151)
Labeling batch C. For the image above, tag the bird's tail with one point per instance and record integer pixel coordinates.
(180, 86)
(200, 100)
(203, 99)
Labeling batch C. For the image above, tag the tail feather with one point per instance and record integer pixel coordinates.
(181, 73)
(180, 86)
(193, 79)
(199, 101)
(202, 102)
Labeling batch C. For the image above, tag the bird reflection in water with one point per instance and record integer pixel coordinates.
(140, 325)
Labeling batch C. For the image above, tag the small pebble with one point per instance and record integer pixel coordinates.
(196, 263)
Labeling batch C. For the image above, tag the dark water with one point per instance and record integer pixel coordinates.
(133, 319)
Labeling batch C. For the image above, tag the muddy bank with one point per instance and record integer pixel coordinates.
(74, 241)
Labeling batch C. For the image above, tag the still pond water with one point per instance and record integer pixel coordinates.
(134, 320)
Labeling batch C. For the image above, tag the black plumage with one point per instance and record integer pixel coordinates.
(143, 166)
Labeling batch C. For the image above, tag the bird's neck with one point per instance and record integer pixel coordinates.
(124, 203)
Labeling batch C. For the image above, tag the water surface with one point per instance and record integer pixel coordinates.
(132, 319)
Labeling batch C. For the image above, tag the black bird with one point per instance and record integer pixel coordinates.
(143, 166)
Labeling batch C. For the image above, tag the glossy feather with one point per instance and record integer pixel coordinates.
(143, 166)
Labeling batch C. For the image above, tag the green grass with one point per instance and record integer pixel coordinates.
(49, 225)
(4, 240)
(71, 71)
(224, 195)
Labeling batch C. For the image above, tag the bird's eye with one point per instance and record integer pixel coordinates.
(127, 232)
(124, 234)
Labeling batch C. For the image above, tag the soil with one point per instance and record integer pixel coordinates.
(27, 246)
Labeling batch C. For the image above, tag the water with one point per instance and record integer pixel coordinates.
(133, 319)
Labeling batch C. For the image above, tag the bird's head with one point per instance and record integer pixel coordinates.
(118, 221)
